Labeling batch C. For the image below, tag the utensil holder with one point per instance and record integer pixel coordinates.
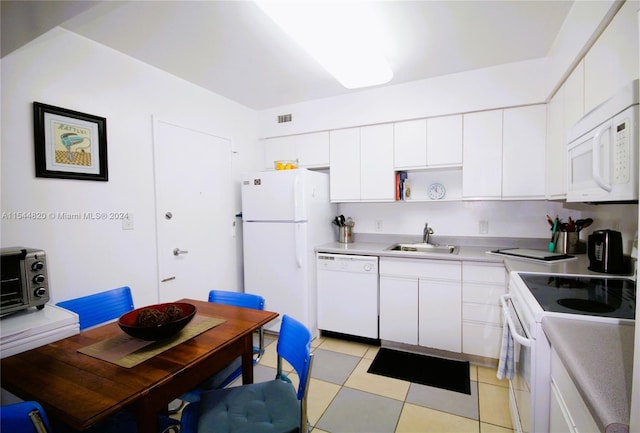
(568, 243)
(345, 234)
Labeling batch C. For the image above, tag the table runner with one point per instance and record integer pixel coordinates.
(127, 351)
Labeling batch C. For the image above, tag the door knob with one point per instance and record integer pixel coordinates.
(178, 251)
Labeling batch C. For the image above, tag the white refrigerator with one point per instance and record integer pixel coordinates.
(285, 215)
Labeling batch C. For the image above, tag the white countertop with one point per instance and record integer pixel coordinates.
(467, 253)
(599, 359)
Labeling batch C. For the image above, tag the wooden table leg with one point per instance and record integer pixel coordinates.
(147, 418)
(247, 360)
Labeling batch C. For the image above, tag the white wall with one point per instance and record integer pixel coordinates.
(482, 89)
(65, 70)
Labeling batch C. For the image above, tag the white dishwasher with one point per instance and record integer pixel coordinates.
(348, 294)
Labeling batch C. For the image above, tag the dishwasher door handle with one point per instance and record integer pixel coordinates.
(524, 341)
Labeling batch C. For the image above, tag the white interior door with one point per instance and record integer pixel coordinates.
(194, 212)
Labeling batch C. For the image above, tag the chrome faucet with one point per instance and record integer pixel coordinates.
(426, 232)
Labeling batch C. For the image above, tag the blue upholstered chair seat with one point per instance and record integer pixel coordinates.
(265, 407)
(260, 407)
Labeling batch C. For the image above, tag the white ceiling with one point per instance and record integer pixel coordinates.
(234, 50)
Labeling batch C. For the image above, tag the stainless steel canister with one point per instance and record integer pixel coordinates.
(568, 243)
(345, 234)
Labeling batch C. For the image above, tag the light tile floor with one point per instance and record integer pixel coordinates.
(344, 398)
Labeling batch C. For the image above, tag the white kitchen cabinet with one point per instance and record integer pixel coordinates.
(482, 155)
(568, 411)
(310, 150)
(410, 144)
(563, 111)
(612, 61)
(420, 302)
(428, 143)
(556, 148)
(362, 164)
(313, 149)
(573, 99)
(344, 155)
(278, 148)
(482, 286)
(524, 152)
(377, 176)
(399, 309)
(444, 141)
(439, 311)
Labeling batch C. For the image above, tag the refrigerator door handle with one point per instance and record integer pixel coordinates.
(299, 249)
(296, 194)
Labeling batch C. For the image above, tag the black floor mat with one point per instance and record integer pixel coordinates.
(426, 370)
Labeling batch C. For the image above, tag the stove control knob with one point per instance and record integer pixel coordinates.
(37, 266)
(40, 292)
(39, 279)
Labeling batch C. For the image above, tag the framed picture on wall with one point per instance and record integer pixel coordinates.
(69, 144)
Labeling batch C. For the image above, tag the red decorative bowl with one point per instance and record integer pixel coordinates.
(156, 322)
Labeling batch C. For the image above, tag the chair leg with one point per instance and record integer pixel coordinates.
(260, 345)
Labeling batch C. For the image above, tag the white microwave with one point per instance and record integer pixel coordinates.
(602, 154)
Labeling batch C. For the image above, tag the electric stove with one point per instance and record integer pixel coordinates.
(586, 295)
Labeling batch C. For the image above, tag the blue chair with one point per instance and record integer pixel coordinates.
(100, 307)
(234, 370)
(96, 309)
(273, 406)
(24, 417)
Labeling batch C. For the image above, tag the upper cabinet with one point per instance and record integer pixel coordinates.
(410, 144)
(444, 141)
(376, 163)
(344, 152)
(556, 148)
(563, 111)
(504, 154)
(482, 155)
(612, 61)
(524, 152)
(428, 143)
(362, 164)
(310, 150)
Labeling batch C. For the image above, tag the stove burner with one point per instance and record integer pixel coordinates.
(586, 305)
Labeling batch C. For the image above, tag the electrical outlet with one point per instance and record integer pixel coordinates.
(483, 227)
(379, 226)
(127, 221)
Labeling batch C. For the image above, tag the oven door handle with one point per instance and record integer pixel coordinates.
(524, 341)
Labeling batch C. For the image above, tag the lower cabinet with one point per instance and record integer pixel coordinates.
(420, 302)
(398, 308)
(568, 411)
(442, 304)
(482, 286)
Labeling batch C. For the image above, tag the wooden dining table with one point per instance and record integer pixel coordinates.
(81, 390)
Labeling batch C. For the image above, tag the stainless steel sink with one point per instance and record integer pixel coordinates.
(422, 247)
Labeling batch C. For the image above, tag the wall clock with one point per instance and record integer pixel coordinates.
(436, 191)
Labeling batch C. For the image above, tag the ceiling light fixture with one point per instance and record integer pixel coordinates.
(339, 35)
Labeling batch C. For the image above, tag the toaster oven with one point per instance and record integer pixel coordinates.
(23, 279)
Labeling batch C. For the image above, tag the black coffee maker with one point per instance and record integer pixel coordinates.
(605, 252)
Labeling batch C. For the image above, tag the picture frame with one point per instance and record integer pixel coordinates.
(69, 144)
